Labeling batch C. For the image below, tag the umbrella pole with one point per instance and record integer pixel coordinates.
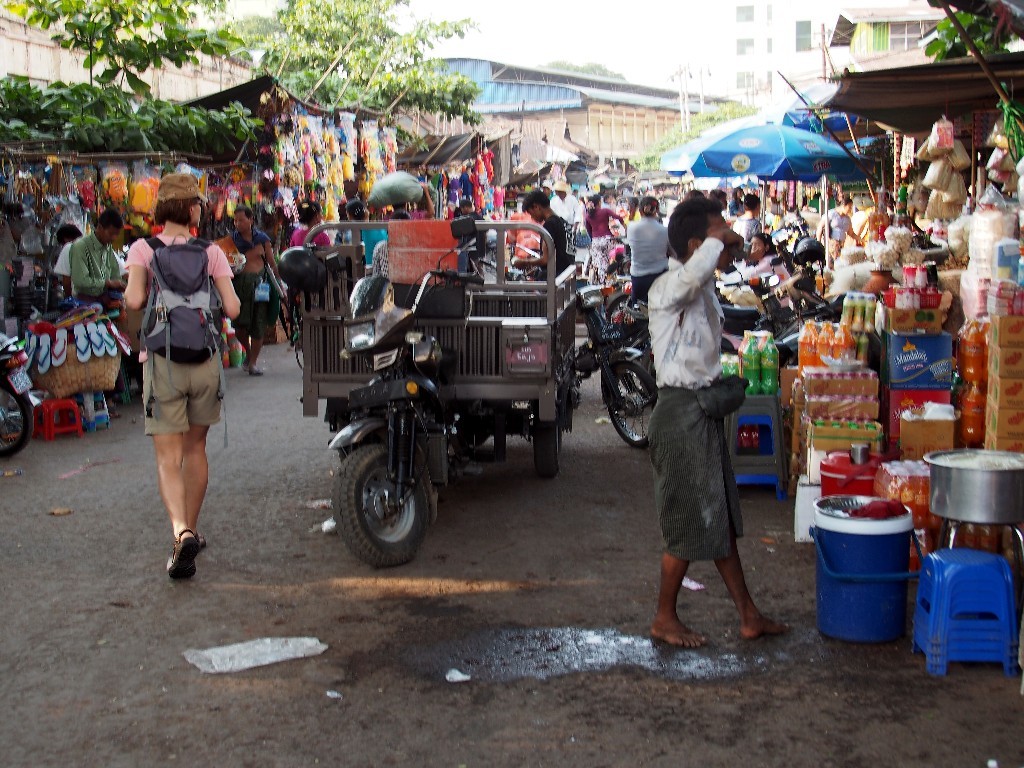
(873, 182)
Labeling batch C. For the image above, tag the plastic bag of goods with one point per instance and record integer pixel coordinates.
(956, 192)
(939, 210)
(942, 136)
(959, 233)
(974, 294)
(926, 153)
(938, 176)
(1000, 160)
(882, 254)
(900, 238)
(997, 136)
(913, 256)
(1005, 259)
(988, 227)
(959, 157)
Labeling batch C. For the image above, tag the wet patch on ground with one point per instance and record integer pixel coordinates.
(503, 655)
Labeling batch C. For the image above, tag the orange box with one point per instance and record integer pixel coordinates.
(1007, 331)
(910, 321)
(842, 407)
(993, 443)
(918, 437)
(1005, 362)
(1005, 392)
(1004, 422)
(416, 247)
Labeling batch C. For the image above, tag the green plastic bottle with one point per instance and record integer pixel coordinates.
(750, 363)
(769, 367)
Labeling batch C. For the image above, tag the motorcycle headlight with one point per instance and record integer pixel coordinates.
(359, 335)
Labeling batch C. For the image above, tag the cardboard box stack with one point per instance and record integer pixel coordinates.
(917, 368)
(840, 409)
(1004, 407)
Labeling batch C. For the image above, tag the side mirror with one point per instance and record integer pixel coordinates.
(463, 226)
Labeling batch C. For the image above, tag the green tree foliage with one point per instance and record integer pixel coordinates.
(600, 70)
(380, 59)
(651, 160)
(983, 30)
(121, 39)
(90, 118)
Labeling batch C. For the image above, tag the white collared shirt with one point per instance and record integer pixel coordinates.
(569, 209)
(686, 320)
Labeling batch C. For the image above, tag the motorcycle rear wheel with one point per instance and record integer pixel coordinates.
(637, 394)
(372, 531)
(15, 422)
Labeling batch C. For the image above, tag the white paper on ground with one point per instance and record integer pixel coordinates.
(253, 653)
(690, 584)
(457, 676)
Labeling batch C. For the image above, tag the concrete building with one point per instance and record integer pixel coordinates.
(29, 52)
(807, 41)
(613, 119)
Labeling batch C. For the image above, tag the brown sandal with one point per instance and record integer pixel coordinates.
(182, 563)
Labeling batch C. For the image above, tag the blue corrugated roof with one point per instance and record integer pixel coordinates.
(635, 99)
(525, 97)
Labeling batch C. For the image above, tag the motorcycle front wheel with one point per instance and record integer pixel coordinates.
(15, 422)
(373, 526)
(631, 401)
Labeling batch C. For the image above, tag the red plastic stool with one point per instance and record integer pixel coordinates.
(57, 417)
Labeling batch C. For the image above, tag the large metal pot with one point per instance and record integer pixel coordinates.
(972, 486)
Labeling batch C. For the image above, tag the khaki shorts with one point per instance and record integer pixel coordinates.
(185, 394)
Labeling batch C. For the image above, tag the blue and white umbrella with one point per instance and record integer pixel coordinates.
(770, 152)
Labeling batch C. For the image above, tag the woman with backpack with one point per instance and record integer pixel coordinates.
(182, 379)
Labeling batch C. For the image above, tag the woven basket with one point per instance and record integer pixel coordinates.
(98, 374)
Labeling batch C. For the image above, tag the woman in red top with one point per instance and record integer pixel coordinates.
(598, 223)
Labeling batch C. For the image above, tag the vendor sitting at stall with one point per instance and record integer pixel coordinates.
(256, 314)
(760, 262)
(94, 267)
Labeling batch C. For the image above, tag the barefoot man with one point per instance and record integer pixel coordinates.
(694, 486)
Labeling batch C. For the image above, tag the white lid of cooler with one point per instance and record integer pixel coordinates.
(831, 513)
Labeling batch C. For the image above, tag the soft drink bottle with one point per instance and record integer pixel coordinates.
(808, 346)
(844, 346)
(972, 416)
(826, 337)
(770, 368)
(750, 363)
(972, 352)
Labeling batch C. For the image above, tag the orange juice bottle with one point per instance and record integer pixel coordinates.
(826, 338)
(844, 345)
(808, 346)
(972, 416)
(972, 351)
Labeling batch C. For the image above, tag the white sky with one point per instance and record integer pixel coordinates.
(645, 43)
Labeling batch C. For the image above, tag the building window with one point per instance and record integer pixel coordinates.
(904, 35)
(803, 36)
(769, 45)
(744, 13)
(745, 46)
(744, 80)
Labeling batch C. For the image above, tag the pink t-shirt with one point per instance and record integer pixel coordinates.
(299, 235)
(141, 255)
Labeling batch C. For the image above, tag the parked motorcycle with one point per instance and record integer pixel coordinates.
(627, 389)
(15, 403)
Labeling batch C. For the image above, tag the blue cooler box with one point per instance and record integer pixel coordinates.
(861, 572)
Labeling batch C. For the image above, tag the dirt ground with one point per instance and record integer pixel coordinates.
(540, 591)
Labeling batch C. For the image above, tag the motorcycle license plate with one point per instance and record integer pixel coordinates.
(527, 357)
(20, 381)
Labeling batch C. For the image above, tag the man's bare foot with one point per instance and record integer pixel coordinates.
(758, 625)
(674, 632)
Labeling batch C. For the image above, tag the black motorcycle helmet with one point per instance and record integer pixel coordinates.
(302, 270)
(808, 251)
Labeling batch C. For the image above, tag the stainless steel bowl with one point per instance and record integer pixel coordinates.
(973, 486)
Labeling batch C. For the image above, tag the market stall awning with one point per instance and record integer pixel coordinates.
(440, 150)
(910, 99)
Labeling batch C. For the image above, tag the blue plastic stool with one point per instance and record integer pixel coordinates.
(965, 610)
(768, 465)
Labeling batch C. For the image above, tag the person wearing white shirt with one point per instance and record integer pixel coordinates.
(65, 235)
(566, 206)
(695, 489)
(648, 246)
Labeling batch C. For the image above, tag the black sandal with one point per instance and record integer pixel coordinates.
(182, 563)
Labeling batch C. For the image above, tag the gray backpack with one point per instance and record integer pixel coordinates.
(183, 316)
(182, 319)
